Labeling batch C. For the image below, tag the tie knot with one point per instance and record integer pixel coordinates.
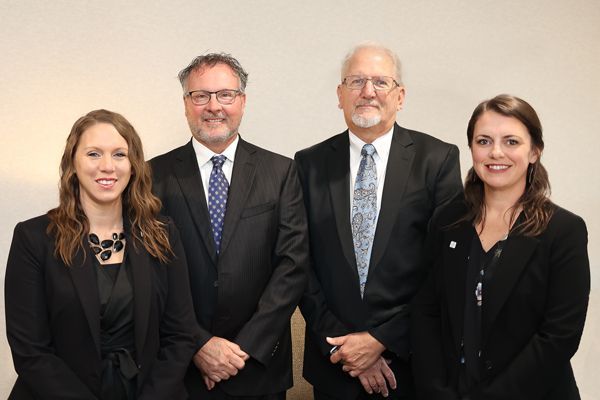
(368, 150)
(218, 161)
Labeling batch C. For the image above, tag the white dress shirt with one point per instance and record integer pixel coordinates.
(382, 152)
(204, 155)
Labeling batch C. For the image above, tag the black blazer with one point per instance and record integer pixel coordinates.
(532, 318)
(422, 174)
(247, 293)
(53, 319)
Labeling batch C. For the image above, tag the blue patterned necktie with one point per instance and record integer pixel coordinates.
(217, 198)
(364, 213)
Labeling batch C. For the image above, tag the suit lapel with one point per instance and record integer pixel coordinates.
(140, 264)
(515, 256)
(187, 173)
(242, 179)
(456, 248)
(396, 176)
(86, 285)
(338, 170)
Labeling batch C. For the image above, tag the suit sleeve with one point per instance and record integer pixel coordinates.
(445, 188)
(320, 321)
(28, 327)
(544, 358)
(259, 335)
(177, 329)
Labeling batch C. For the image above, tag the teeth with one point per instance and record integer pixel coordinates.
(105, 181)
(497, 167)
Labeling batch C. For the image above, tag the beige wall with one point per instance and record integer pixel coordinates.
(61, 59)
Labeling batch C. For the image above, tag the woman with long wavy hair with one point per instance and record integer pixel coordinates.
(503, 309)
(98, 304)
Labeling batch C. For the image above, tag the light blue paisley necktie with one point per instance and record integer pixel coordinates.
(364, 213)
(218, 188)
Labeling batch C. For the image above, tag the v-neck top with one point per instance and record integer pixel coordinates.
(117, 343)
(482, 266)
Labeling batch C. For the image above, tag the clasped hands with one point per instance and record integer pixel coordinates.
(360, 354)
(218, 360)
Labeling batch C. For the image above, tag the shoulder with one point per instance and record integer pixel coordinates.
(32, 236)
(450, 214)
(264, 157)
(565, 223)
(320, 149)
(34, 226)
(424, 139)
(169, 156)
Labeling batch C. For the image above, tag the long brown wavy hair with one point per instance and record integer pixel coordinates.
(537, 207)
(68, 221)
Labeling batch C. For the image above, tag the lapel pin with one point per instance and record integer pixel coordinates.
(452, 244)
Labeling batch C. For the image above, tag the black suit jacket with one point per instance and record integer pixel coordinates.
(248, 292)
(532, 318)
(422, 174)
(53, 319)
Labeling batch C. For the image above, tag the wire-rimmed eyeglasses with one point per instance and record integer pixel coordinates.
(380, 83)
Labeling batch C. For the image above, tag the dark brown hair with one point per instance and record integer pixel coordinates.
(68, 221)
(537, 207)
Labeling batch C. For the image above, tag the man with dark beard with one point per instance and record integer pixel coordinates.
(370, 193)
(240, 213)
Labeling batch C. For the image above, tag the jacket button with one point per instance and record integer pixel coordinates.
(216, 283)
(488, 365)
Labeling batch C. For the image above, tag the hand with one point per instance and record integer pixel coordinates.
(210, 384)
(374, 378)
(219, 359)
(357, 351)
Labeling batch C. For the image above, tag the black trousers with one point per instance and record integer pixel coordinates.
(363, 396)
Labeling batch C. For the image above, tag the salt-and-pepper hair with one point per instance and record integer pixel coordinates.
(210, 60)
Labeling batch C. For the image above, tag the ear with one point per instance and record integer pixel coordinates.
(534, 155)
(400, 99)
(339, 95)
(243, 100)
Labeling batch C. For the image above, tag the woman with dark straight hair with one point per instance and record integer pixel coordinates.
(98, 304)
(503, 309)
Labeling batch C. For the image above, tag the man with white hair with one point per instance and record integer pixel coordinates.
(370, 193)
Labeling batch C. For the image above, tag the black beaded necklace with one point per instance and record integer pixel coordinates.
(106, 247)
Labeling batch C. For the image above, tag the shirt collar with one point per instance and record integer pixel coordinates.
(382, 144)
(204, 154)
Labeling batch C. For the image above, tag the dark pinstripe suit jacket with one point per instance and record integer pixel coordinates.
(248, 292)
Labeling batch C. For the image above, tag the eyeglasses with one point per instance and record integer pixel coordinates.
(224, 96)
(380, 83)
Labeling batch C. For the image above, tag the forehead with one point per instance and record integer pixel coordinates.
(220, 76)
(493, 123)
(102, 134)
(370, 62)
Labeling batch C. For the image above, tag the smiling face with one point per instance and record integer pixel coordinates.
(102, 166)
(213, 124)
(369, 113)
(502, 151)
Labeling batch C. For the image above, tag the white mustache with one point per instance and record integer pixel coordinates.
(367, 103)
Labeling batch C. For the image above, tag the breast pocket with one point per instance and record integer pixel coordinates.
(257, 210)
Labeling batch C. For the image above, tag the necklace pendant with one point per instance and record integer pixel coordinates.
(105, 255)
(118, 246)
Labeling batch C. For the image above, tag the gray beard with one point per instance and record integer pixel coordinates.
(363, 122)
(204, 137)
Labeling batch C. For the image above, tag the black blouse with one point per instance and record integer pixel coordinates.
(117, 344)
(482, 267)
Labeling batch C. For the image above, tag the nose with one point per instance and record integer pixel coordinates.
(213, 104)
(107, 163)
(368, 90)
(496, 151)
